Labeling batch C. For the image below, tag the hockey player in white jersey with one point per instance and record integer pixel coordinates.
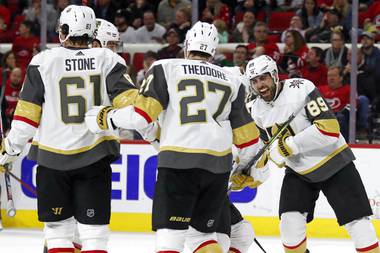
(73, 173)
(315, 155)
(106, 35)
(202, 113)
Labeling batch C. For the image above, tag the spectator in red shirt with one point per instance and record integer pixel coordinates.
(295, 51)
(25, 45)
(215, 9)
(12, 90)
(337, 96)
(261, 45)
(315, 70)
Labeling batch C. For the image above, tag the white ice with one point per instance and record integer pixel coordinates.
(21, 240)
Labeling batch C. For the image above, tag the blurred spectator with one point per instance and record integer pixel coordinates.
(105, 9)
(172, 49)
(123, 21)
(241, 57)
(244, 30)
(182, 22)
(295, 24)
(138, 8)
(222, 30)
(261, 45)
(336, 55)
(371, 58)
(345, 10)
(16, 7)
(12, 90)
(167, 10)
(315, 70)
(365, 81)
(6, 35)
(295, 52)
(288, 5)
(258, 7)
(337, 96)
(310, 14)
(150, 32)
(330, 21)
(25, 45)
(33, 14)
(8, 61)
(215, 9)
(149, 58)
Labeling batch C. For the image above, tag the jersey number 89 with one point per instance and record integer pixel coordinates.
(317, 106)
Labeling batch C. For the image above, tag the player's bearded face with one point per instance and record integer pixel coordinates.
(264, 86)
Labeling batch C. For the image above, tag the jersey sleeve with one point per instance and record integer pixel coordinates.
(28, 110)
(120, 88)
(324, 129)
(244, 130)
(150, 101)
(153, 96)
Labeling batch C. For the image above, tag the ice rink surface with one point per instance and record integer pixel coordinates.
(20, 241)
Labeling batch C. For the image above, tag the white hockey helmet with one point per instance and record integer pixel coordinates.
(105, 32)
(202, 37)
(262, 65)
(80, 20)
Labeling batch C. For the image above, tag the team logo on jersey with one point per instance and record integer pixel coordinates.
(210, 223)
(295, 83)
(90, 213)
(57, 210)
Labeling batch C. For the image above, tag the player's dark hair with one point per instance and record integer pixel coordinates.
(85, 39)
(200, 54)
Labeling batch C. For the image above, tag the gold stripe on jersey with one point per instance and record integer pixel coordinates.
(125, 98)
(28, 110)
(245, 133)
(325, 160)
(74, 151)
(151, 106)
(331, 126)
(196, 150)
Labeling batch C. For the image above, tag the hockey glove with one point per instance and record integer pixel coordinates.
(283, 148)
(7, 154)
(98, 119)
(258, 174)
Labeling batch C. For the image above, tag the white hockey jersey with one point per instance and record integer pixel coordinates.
(61, 84)
(202, 114)
(323, 150)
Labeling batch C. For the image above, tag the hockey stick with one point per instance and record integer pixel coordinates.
(11, 211)
(258, 244)
(247, 168)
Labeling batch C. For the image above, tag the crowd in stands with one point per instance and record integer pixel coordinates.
(256, 25)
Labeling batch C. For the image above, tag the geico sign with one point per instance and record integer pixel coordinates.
(134, 167)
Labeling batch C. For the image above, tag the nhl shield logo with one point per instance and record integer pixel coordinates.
(210, 223)
(90, 213)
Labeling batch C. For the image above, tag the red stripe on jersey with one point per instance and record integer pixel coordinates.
(247, 144)
(204, 244)
(374, 246)
(77, 246)
(294, 247)
(143, 114)
(26, 120)
(61, 250)
(329, 134)
(234, 250)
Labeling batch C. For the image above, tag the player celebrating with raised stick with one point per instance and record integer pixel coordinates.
(73, 173)
(203, 113)
(315, 155)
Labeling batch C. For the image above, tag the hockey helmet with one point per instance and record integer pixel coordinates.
(106, 32)
(202, 37)
(75, 21)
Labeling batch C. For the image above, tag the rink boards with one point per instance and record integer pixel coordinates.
(133, 187)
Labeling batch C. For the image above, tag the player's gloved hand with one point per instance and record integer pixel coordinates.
(282, 148)
(7, 154)
(98, 119)
(258, 174)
